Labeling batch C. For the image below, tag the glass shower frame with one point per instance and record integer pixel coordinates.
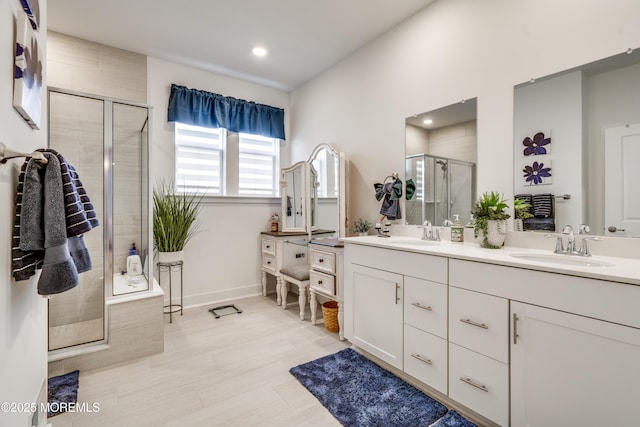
(107, 224)
(434, 189)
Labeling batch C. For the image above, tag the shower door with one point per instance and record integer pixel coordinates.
(76, 130)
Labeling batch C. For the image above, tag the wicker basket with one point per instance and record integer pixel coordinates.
(330, 315)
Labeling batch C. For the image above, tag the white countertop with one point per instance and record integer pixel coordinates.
(624, 270)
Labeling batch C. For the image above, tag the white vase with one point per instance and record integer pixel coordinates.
(170, 257)
(362, 234)
(496, 233)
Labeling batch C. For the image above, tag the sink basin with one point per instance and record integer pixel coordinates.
(566, 260)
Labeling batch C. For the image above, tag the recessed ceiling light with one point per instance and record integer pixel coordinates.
(427, 121)
(259, 51)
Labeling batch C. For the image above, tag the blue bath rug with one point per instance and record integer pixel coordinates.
(453, 419)
(360, 393)
(62, 389)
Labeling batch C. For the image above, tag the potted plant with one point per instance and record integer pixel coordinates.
(174, 220)
(490, 219)
(362, 226)
(521, 212)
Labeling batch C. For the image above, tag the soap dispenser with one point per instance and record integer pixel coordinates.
(457, 230)
(134, 265)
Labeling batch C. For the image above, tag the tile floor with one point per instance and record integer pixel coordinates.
(231, 371)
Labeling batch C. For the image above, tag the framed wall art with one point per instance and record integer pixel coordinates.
(32, 9)
(28, 74)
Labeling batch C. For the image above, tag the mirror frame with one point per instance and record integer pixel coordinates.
(342, 185)
(303, 195)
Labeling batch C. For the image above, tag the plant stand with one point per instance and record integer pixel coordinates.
(171, 267)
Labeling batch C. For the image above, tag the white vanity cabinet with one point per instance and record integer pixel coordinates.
(375, 303)
(574, 344)
(326, 276)
(572, 370)
(276, 254)
(520, 345)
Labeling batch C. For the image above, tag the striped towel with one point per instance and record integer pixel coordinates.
(80, 217)
(543, 205)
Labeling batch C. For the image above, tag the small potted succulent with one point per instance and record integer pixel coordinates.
(521, 212)
(490, 219)
(362, 226)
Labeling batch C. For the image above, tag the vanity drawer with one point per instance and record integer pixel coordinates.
(425, 305)
(323, 261)
(425, 358)
(269, 263)
(479, 322)
(268, 246)
(323, 282)
(479, 383)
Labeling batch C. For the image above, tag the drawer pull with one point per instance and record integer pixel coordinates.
(471, 322)
(319, 282)
(268, 246)
(422, 358)
(320, 260)
(424, 307)
(475, 384)
(268, 262)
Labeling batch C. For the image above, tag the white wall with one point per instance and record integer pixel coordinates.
(223, 261)
(452, 50)
(23, 314)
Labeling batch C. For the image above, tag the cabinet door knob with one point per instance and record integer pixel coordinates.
(471, 322)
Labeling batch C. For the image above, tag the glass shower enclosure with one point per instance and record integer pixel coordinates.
(107, 141)
(444, 187)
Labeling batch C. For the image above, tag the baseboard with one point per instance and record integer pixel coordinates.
(215, 297)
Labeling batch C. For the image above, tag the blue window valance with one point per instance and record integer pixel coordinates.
(206, 109)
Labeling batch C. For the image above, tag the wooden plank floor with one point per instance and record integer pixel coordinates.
(232, 371)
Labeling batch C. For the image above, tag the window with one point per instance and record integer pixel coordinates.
(220, 163)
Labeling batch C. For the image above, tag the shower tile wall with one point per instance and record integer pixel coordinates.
(455, 142)
(84, 66)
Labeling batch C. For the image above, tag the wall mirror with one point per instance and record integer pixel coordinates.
(577, 141)
(440, 158)
(293, 188)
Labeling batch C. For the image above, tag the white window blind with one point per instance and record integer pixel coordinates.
(257, 160)
(221, 164)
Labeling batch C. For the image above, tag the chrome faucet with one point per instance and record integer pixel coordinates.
(571, 239)
(571, 243)
(429, 232)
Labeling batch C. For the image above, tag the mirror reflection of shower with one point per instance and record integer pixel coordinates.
(444, 187)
